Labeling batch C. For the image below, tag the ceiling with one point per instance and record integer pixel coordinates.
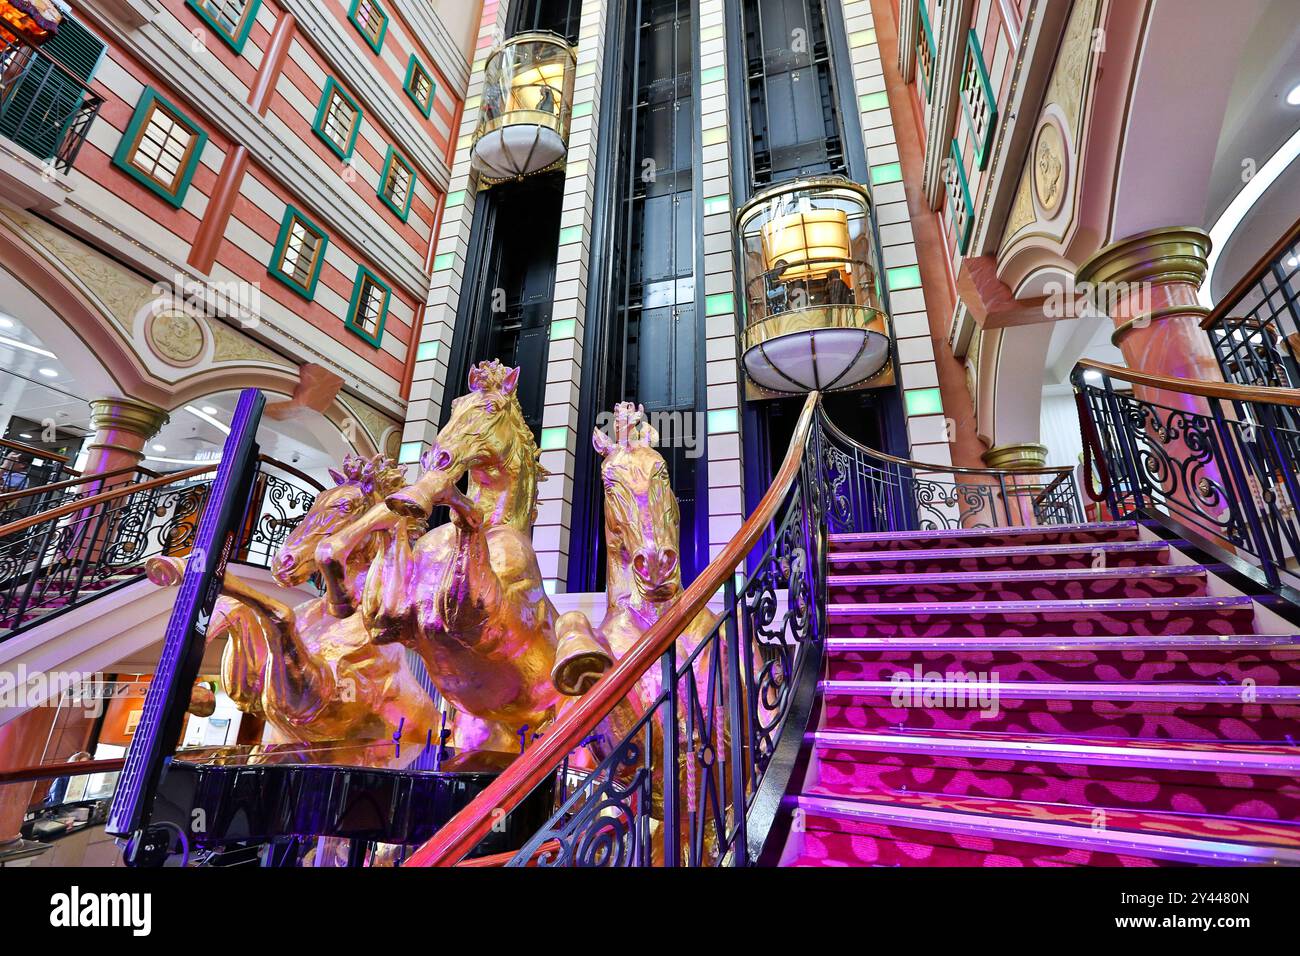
(1074, 339)
(1257, 124)
(36, 385)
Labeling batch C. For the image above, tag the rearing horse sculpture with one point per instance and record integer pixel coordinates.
(315, 677)
(468, 595)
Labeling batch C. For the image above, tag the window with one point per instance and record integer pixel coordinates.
(338, 119)
(369, 308)
(42, 103)
(925, 48)
(977, 100)
(961, 211)
(299, 253)
(397, 184)
(371, 22)
(160, 148)
(419, 86)
(230, 19)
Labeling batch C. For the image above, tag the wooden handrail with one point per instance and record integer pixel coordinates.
(33, 451)
(53, 771)
(1234, 295)
(128, 489)
(73, 482)
(300, 475)
(82, 504)
(463, 832)
(1224, 390)
(1057, 470)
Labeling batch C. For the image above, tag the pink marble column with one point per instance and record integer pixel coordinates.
(122, 427)
(1148, 284)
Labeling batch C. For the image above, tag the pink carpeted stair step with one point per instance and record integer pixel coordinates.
(991, 832)
(1249, 781)
(1106, 554)
(1083, 618)
(1264, 659)
(985, 537)
(1024, 585)
(1156, 709)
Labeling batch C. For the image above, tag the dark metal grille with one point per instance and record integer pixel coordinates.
(1255, 330)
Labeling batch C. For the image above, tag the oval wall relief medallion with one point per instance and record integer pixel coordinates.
(175, 336)
(1050, 172)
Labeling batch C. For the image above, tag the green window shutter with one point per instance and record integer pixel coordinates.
(38, 112)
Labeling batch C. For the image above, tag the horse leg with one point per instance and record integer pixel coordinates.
(333, 551)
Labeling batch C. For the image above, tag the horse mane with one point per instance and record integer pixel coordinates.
(525, 457)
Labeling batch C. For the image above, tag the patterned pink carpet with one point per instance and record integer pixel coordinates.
(1046, 697)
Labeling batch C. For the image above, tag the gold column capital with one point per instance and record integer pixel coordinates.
(127, 415)
(1172, 254)
(1022, 456)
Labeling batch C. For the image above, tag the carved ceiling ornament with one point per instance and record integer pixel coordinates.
(1050, 168)
(1064, 105)
(175, 336)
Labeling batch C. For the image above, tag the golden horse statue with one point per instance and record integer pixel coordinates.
(642, 536)
(644, 580)
(315, 677)
(468, 596)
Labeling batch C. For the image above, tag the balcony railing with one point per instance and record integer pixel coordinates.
(99, 531)
(1255, 328)
(44, 107)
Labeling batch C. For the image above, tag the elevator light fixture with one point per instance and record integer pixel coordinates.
(814, 320)
(526, 104)
(48, 372)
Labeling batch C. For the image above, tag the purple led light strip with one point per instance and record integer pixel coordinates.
(164, 707)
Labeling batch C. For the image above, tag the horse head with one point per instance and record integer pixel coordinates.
(486, 438)
(642, 517)
(359, 486)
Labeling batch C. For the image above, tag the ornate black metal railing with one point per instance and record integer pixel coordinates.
(1255, 328)
(705, 731)
(896, 494)
(24, 471)
(95, 539)
(44, 106)
(1219, 462)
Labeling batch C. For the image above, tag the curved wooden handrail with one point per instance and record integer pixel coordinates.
(53, 771)
(284, 466)
(1057, 470)
(1228, 302)
(73, 482)
(82, 504)
(1224, 390)
(123, 490)
(33, 451)
(463, 832)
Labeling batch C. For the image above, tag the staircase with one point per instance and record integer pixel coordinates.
(1120, 708)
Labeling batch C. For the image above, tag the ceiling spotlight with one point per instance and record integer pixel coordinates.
(48, 372)
(159, 448)
(1293, 261)
(6, 322)
(209, 409)
(25, 437)
(1293, 97)
(1092, 376)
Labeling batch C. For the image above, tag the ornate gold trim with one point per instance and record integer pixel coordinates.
(801, 185)
(1022, 456)
(1172, 254)
(1150, 318)
(129, 415)
(815, 319)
